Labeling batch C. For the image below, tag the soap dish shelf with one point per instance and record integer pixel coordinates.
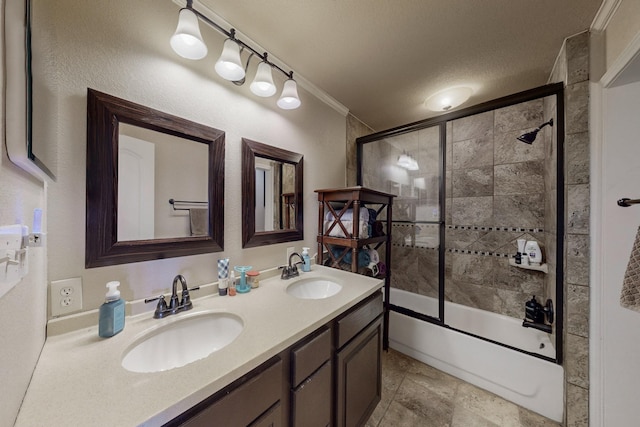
(542, 267)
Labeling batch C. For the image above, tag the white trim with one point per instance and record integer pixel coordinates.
(300, 79)
(596, 358)
(622, 62)
(607, 9)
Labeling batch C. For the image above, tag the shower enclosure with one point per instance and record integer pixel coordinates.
(467, 186)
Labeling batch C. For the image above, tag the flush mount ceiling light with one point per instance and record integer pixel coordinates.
(448, 99)
(187, 42)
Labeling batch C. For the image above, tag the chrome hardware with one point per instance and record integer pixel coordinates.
(176, 304)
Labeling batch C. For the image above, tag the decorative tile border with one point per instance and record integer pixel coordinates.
(480, 228)
(483, 253)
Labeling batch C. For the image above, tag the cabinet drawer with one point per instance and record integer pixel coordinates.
(311, 401)
(310, 355)
(243, 402)
(358, 318)
(271, 418)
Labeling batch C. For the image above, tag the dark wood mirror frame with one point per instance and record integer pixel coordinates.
(251, 238)
(104, 114)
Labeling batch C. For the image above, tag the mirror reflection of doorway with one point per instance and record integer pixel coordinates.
(264, 192)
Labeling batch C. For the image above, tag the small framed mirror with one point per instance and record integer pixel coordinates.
(155, 184)
(271, 195)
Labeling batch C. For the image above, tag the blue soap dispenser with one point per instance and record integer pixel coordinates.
(306, 266)
(111, 312)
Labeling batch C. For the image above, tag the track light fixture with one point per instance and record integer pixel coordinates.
(187, 42)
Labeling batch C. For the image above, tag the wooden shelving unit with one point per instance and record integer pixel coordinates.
(338, 201)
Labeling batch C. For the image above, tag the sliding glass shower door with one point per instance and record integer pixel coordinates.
(410, 166)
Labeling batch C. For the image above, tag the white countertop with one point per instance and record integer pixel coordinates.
(79, 380)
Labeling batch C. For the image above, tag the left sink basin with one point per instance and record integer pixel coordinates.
(185, 340)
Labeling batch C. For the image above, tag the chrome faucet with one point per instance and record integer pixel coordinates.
(291, 270)
(176, 304)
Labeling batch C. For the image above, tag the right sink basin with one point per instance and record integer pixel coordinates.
(313, 288)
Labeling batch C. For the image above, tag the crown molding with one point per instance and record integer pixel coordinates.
(605, 13)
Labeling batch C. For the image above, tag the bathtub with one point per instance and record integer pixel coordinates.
(528, 381)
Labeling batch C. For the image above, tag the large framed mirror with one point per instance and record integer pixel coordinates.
(155, 184)
(271, 195)
(40, 160)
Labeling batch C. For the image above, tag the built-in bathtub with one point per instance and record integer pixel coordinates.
(528, 381)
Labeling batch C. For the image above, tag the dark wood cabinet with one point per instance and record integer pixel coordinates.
(358, 371)
(311, 380)
(332, 377)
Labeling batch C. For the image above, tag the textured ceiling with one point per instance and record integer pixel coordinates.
(383, 58)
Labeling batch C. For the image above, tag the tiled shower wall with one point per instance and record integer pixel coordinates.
(498, 190)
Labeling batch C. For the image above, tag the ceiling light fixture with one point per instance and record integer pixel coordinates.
(262, 84)
(448, 99)
(229, 66)
(408, 162)
(187, 42)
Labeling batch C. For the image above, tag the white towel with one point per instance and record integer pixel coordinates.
(348, 215)
(336, 231)
(199, 221)
(630, 295)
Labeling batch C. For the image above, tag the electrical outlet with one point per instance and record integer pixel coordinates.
(290, 250)
(66, 296)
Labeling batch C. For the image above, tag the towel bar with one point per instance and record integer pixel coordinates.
(625, 202)
(186, 202)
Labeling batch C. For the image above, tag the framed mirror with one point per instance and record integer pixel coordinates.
(19, 87)
(271, 195)
(155, 184)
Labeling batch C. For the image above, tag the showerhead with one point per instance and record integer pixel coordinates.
(529, 137)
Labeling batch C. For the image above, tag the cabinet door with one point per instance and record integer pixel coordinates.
(358, 379)
(311, 400)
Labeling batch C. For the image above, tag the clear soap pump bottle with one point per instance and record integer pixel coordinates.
(111, 312)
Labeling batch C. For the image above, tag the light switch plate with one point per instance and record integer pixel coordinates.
(66, 296)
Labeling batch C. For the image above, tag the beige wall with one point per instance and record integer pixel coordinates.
(122, 48)
(23, 309)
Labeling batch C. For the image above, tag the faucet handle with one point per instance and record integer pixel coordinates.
(285, 272)
(186, 303)
(161, 308)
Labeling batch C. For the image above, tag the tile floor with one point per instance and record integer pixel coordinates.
(415, 394)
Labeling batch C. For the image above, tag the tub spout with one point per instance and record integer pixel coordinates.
(539, 326)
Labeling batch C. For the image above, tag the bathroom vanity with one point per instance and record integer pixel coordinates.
(297, 362)
(297, 387)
